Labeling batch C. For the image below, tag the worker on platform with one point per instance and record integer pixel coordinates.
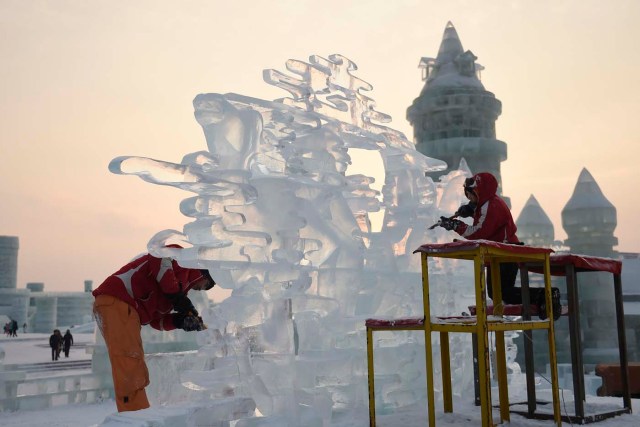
(492, 221)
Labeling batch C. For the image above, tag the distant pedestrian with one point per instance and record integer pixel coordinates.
(14, 328)
(61, 341)
(68, 342)
(24, 328)
(55, 342)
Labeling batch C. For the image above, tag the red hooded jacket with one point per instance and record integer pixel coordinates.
(144, 284)
(492, 218)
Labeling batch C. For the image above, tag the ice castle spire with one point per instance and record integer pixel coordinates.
(534, 226)
(454, 116)
(590, 219)
(450, 47)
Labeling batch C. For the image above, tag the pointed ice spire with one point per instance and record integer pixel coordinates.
(453, 67)
(451, 46)
(533, 214)
(534, 226)
(587, 194)
(589, 219)
(464, 166)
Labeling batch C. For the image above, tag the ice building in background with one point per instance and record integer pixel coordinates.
(50, 310)
(454, 117)
(13, 301)
(40, 311)
(631, 298)
(534, 226)
(278, 220)
(589, 220)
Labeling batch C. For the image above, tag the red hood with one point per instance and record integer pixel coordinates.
(186, 276)
(486, 186)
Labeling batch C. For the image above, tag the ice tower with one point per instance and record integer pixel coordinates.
(454, 117)
(13, 301)
(534, 226)
(8, 262)
(536, 229)
(589, 220)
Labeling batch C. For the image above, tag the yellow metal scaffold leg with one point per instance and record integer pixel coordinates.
(501, 361)
(482, 334)
(446, 372)
(427, 341)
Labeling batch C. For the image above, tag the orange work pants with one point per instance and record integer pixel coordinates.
(119, 324)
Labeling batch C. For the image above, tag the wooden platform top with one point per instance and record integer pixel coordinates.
(581, 263)
(410, 321)
(516, 310)
(469, 245)
(558, 260)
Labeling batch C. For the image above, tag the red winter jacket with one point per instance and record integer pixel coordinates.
(144, 284)
(492, 218)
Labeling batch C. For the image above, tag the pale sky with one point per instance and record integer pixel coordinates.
(84, 82)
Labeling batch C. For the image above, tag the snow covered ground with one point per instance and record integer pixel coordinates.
(63, 416)
(33, 348)
(465, 415)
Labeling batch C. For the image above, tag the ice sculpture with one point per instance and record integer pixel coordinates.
(277, 220)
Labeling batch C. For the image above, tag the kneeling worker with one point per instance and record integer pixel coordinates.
(147, 291)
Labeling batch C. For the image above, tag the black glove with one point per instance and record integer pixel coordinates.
(465, 211)
(187, 322)
(448, 223)
(182, 304)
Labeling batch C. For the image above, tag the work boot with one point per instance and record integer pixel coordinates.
(556, 307)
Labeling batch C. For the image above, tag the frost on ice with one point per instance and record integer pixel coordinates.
(278, 220)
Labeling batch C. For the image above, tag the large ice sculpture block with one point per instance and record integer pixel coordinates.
(276, 217)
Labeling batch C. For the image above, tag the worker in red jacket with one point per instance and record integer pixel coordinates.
(147, 291)
(492, 221)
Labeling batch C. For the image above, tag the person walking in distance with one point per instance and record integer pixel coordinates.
(68, 342)
(14, 328)
(55, 341)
